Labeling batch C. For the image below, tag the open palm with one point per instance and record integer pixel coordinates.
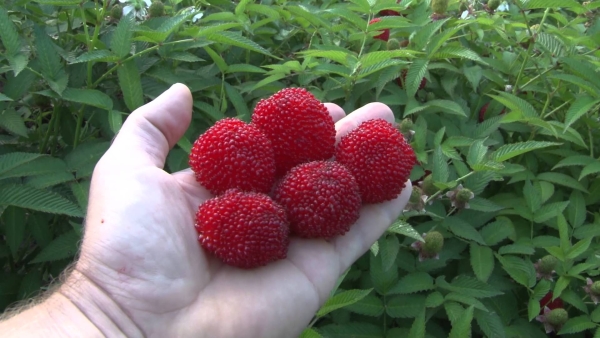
(140, 248)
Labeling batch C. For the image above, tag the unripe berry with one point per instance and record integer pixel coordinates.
(596, 288)
(548, 263)
(393, 44)
(464, 195)
(557, 317)
(428, 187)
(157, 9)
(493, 4)
(116, 12)
(434, 242)
(439, 6)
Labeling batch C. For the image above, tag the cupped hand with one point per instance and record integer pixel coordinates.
(140, 248)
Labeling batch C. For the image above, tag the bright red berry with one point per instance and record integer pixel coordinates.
(321, 199)
(298, 125)
(389, 12)
(385, 34)
(378, 156)
(403, 75)
(551, 304)
(243, 229)
(233, 154)
(484, 109)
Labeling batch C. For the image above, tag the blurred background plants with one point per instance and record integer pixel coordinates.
(499, 99)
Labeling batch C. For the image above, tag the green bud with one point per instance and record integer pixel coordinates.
(116, 12)
(157, 9)
(464, 195)
(393, 44)
(557, 317)
(596, 288)
(434, 242)
(406, 125)
(430, 96)
(493, 4)
(548, 263)
(415, 196)
(428, 187)
(439, 6)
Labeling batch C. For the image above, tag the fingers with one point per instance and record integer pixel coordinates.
(336, 112)
(153, 129)
(375, 110)
(374, 220)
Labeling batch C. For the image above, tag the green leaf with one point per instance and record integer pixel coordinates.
(469, 286)
(47, 55)
(482, 261)
(415, 74)
(8, 34)
(120, 43)
(446, 106)
(532, 196)
(388, 248)
(454, 311)
(417, 330)
(95, 55)
(64, 246)
(571, 297)
(533, 308)
(463, 229)
(12, 122)
(235, 39)
(561, 284)
(413, 282)
(595, 315)
(460, 52)
(370, 305)
(579, 248)
(131, 85)
(401, 227)
(580, 107)
(509, 151)
(561, 179)
(405, 306)
(592, 168)
(465, 299)
(563, 232)
(476, 153)
(310, 333)
(31, 284)
(440, 166)
(497, 231)
(522, 271)
(13, 160)
(27, 197)
(516, 104)
(341, 300)
(577, 324)
(518, 249)
(462, 327)
(39, 166)
(577, 211)
(376, 57)
(115, 120)
(490, 323)
(59, 2)
(555, 4)
(484, 205)
(383, 280)
(434, 299)
(238, 102)
(91, 97)
(351, 329)
(14, 227)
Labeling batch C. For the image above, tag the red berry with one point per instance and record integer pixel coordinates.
(551, 304)
(403, 75)
(389, 12)
(385, 35)
(378, 156)
(243, 229)
(298, 125)
(321, 199)
(233, 154)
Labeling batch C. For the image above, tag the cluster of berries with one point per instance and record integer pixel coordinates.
(283, 174)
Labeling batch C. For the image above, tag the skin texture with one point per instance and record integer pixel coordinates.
(141, 271)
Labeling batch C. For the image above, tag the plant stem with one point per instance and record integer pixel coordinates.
(88, 43)
(440, 191)
(78, 127)
(535, 78)
(148, 50)
(50, 127)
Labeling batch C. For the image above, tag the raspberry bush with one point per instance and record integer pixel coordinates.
(499, 100)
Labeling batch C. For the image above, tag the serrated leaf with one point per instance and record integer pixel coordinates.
(476, 153)
(462, 327)
(185, 57)
(578, 108)
(533, 309)
(561, 284)
(13, 160)
(47, 55)
(39, 166)
(50, 179)
(481, 204)
(517, 249)
(516, 104)
(561, 179)
(376, 57)
(465, 299)
(351, 329)
(577, 324)
(463, 229)
(14, 228)
(579, 248)
(460, 52)
(482, 261)
(403, 228)
(415, 74)
(388, 248)
(440, 171)
(405, 306)
(543, 4)
(549, 211)
(434, 299)
(310, 333)
(509, 151)
(59, 2)
(370, 305)
(532, 196)
(234, 39)
(238, 102)
(592, 168)
(490, 323)
(8, 34)
(31, 284)
(470, 286)
(341, 300)
(64, 246)
(131, 84)
(497, 231)
(12, 122)
(417, 330)
(522, 271)
(383, 280)
(95, 55)
(89, 97)
(27, 197)
(454, 311)
(541, 289)
(413, 282)
(571, 297)
(120, 43)
(446, 106)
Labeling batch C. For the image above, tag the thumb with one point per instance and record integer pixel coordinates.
(152, 130)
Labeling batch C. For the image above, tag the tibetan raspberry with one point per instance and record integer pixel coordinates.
(243, 229)
(493, 4)
(233, 154)
(434, 243)
(116, 12)
(385, 34)
(378, 156)
(439, 6)
(321, 199)
(299, 127)
(544, 267)
(156, 9)
(402, 80)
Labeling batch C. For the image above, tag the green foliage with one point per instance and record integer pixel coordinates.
(71, 74)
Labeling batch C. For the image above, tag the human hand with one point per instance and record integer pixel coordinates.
(141, 264)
